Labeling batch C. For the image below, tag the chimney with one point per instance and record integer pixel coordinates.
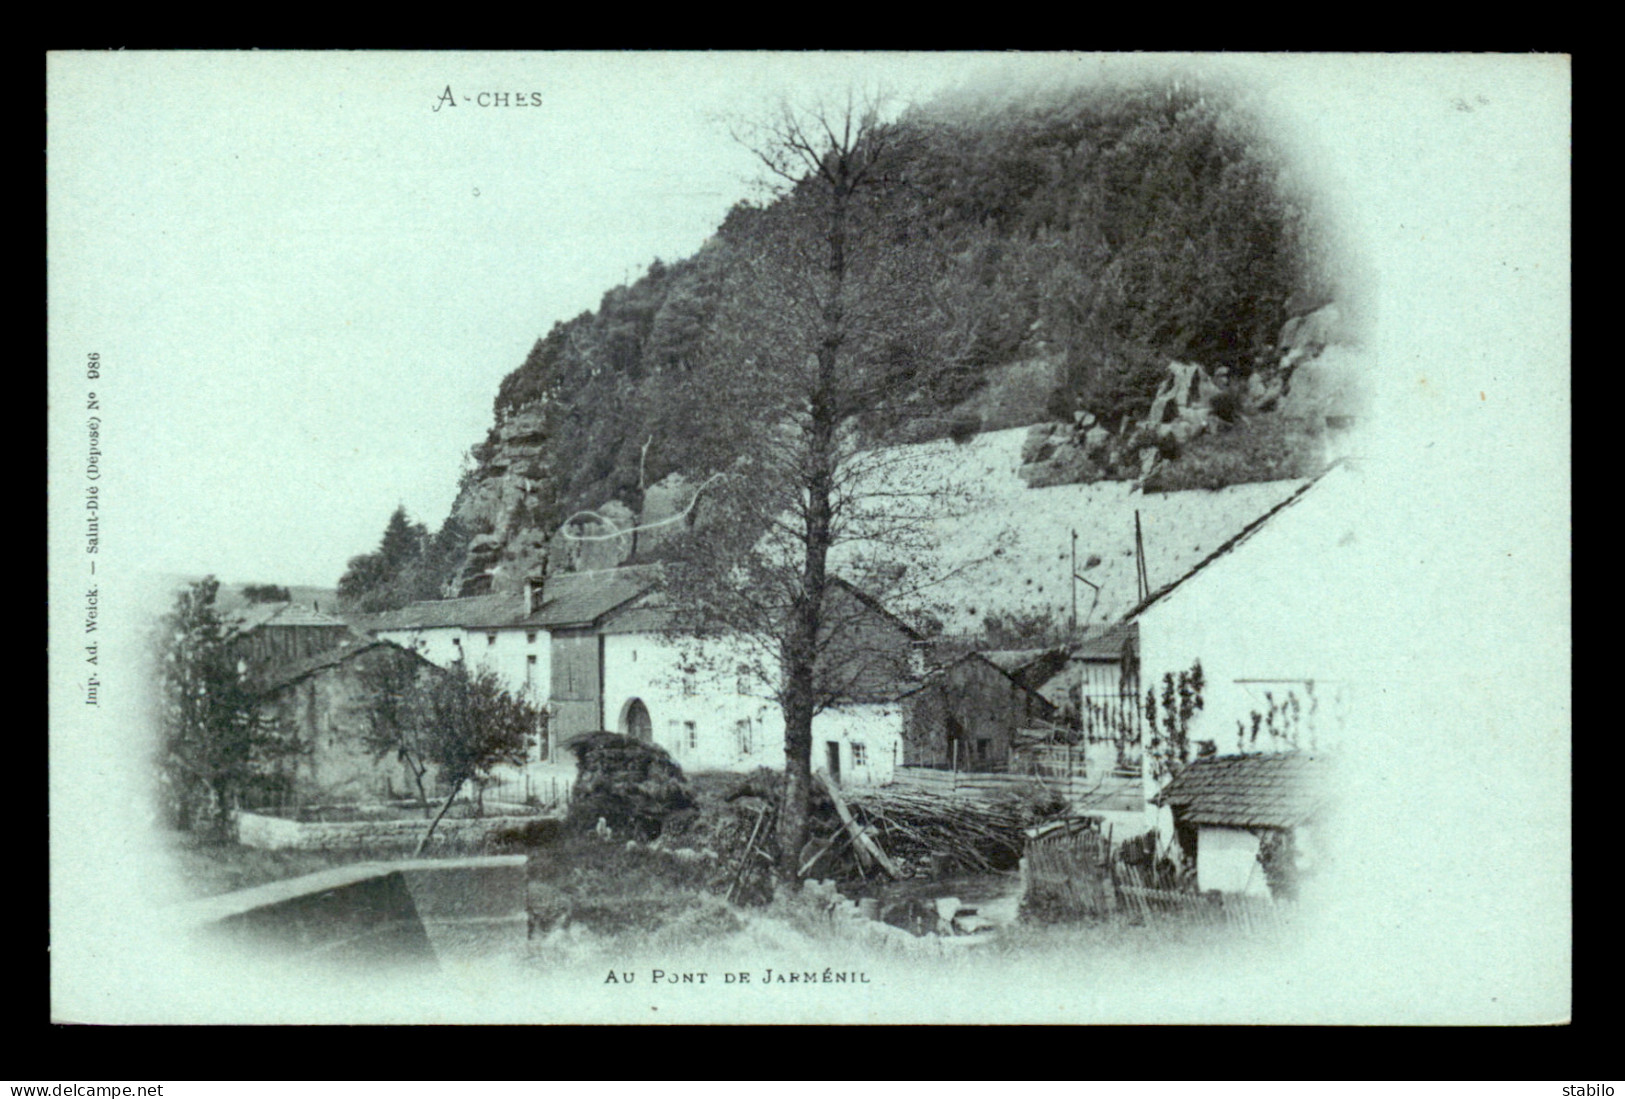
(530, 597)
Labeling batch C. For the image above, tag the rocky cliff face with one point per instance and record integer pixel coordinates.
(1311, 388)
(516, 530)
(1308, 395)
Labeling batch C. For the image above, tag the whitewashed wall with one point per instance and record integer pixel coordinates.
(1284, 606)
(440, 646)
(716, 718)
(507, 653)
(1227, 860)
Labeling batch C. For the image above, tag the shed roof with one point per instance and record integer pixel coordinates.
(1282, 790)
(1106, 642)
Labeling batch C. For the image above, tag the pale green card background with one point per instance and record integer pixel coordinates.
(306, 283)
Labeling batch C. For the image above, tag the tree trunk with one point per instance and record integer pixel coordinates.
(793, 814)
(801, 648)
(428, 835)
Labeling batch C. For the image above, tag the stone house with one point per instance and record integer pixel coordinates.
(323, 702)
(709, 700)
(965, 716)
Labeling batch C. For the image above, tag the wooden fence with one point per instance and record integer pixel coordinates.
(1147, 904)
(1111, 792)
(1068, 872)
(1067, 868)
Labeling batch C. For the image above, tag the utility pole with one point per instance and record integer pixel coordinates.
(1072, 632)
(1142, 581)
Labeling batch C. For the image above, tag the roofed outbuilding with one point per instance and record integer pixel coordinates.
(1281, 790)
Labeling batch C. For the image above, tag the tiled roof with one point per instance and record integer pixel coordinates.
(645, 615)
(567, 599)
(254, 615)
(274, 679)
(1106, 642)
(582, 598)
(1274, 791)
(472, 612)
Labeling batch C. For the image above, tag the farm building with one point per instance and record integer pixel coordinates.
(709, 700)
(966, 716)
(1274, 616)
(265, 634)
(1246, 820)
(324, 702)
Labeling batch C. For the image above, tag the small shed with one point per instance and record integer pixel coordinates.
(1245, 819)
(263, 635)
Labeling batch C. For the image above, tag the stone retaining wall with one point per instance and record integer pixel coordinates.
(409, 913)
(279, 833)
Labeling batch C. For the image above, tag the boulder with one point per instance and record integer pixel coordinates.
(1039, 437)
(1304, 337)
(661, 501)
(1187, 386)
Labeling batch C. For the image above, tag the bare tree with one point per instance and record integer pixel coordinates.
(836, 332)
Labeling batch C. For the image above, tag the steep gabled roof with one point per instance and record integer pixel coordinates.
(1014, 677)
(1260, 791)
(1229, 544)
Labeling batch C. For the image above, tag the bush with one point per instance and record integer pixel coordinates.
(1226, 404)
(965, 428)
(524, 837)
(630, 785)
(1267, 448)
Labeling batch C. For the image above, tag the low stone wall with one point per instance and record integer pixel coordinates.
(279, 833)
(397, 914)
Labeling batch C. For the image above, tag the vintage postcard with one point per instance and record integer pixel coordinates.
(809, 538)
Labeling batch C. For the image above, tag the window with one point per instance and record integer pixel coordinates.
(490, 639)
(674, 735)
(530, 637)
(688, 680)
(691, 735)
(983, 749)
(742, 735)
(860, 755)
(530, 670)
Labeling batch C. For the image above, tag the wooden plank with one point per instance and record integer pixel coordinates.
(860, 836)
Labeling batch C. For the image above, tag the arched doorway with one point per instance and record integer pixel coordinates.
(635, 722)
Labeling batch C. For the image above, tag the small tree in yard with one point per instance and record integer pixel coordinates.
(461, 724)
(214, 747)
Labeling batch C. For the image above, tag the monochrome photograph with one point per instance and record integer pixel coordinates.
(829, 537)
